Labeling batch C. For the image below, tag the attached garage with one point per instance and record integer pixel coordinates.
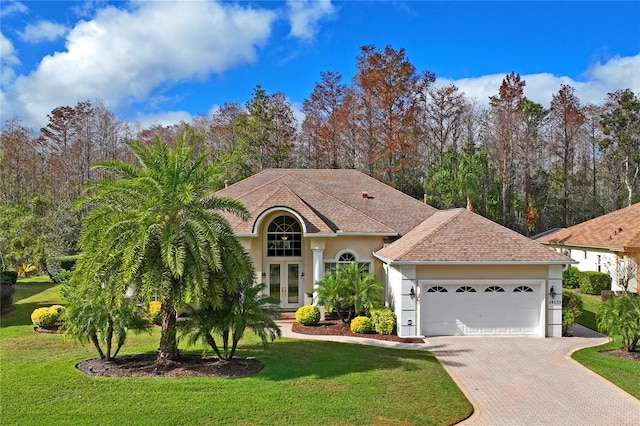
(473, 308)
(460, 274)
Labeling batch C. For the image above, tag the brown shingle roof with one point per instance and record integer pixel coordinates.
(462, 236)
(619, 229)
(329, 201)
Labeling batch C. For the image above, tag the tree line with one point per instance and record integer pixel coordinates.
(516, 162)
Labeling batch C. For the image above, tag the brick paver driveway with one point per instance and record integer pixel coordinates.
(533, 381)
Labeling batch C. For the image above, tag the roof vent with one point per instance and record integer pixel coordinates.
(226, 183)
(365, 195)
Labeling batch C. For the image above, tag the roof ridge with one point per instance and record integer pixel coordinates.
(437, 229)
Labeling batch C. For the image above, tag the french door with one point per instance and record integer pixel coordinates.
(284, 283)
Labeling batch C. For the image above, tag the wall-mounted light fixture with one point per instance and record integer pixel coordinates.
(264, 274)
(412, 293)
(302, 275)
(552, 292)
(409, 323)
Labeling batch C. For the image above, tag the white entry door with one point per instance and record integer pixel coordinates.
(284, 284)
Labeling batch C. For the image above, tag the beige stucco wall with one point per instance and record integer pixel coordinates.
(481, 272)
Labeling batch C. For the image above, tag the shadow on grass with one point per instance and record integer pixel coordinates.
(290, 359)
(21, 315)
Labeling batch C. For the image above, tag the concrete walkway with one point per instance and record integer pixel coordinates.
(522, 380)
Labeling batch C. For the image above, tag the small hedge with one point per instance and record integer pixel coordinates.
(48, 316)
(361, 325)
(383, 320)
(592, 282)
(8, 277)
(571, 277)
(308, 315)
(572, 307)
(6, 297)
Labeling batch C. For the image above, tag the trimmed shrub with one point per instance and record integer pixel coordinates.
(361, 325)
(572, 308)
(383, 320)
(592, 282)
(308, 315)
(571, 277)
(8, 277)
(155, 312)
(6, 297)
(45, 317)
(58, 265)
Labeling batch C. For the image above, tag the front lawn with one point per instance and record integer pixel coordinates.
(303, 382)
(622, 372)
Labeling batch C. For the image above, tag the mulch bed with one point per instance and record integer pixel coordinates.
(620, 353)
(145, 365)
(338, 328)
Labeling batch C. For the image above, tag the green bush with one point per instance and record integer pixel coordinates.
(8, 277)
(620, 316)
(6, 297)
(361, 325)
(572, 308)
(58, 267)
(383, 320)
(308, 315)
(45, 317)
(592, 282)
(571, 277)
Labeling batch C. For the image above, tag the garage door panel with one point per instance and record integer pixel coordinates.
(481, 312)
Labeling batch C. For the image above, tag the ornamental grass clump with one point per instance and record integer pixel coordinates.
(308, 315)
(48, 316)
(362, 325)
(383, 320)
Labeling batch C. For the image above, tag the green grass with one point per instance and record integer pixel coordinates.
(622, 372)
(588, 317)
(303, 382)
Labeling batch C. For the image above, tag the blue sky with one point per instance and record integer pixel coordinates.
(166, 61)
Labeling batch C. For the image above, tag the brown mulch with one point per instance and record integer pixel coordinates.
(145, 365)
(621, 353)
(338, 328)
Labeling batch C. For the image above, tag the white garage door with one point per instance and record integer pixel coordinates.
(468, 309)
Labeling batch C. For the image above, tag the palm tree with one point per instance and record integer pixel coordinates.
(349, 287)
(243, 308)
(157, 226)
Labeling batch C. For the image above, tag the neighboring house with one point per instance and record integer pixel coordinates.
(445, 272)
(609, 243)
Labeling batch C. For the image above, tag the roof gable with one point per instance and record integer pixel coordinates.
(619, 229)
(462, 236)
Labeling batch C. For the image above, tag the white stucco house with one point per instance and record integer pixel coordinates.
(608, 243)
(445, 272)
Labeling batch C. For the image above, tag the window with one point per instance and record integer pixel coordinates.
(436, 289)
(284, 237)
(346, 257)
(494, 289)
(523, 289)
(465, 289)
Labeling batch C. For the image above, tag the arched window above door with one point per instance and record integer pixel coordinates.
(284, 237)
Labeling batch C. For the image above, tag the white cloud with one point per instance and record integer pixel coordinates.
(167, 118)
(123, 56)
(10, 7)
(42, 31)
(7, 51)
(600, 79)
(305, 14)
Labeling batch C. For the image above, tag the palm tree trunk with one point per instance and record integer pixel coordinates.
(96, 343)
(168, 349)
